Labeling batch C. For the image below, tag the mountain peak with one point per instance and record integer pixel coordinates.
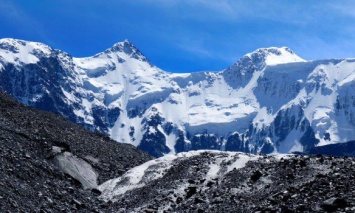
(13, 45)
(18, 43)
(273, 56)
(128, 48)
(259, 59)
(16, 51)
(124, 46)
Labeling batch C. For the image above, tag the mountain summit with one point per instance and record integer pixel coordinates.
(269, 101)
(128, 48)
(240, 73)
(273, 56)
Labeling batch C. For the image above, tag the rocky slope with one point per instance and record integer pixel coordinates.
(215, 181)
(269, 101)
(49, 164)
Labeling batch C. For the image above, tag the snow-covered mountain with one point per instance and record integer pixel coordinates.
(270, 100)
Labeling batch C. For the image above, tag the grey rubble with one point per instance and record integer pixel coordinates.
(30, 179)
(293, 184)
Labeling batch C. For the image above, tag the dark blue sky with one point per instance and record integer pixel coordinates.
(185, 35)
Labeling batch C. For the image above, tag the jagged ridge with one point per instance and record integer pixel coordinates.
(270, 100)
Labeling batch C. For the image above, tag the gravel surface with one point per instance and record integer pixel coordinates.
(269, 184)
(31, 139)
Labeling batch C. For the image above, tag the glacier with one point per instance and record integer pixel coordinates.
(269, 101)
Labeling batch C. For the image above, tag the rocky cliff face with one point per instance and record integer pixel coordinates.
(270, 101)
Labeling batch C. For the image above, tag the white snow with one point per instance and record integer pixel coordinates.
(24, 51)
(274, 55)
(284, 57)
(136, 177)
(152, 130)
(242, 160)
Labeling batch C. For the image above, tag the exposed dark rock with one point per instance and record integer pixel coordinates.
(154, 144)
(204, 141)
(190, 191)
(234, 143)
(340, 149)
(256, 176)
(332, 204)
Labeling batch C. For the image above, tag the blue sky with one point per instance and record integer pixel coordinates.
(185, 35)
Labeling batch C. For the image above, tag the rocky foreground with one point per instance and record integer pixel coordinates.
(213, 181)
(49, 164)
(45, 161)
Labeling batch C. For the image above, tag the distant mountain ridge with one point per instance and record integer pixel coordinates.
(270, 100)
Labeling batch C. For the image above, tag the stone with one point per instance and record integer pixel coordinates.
(191, 190)
(256, 176)
(333, 204)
